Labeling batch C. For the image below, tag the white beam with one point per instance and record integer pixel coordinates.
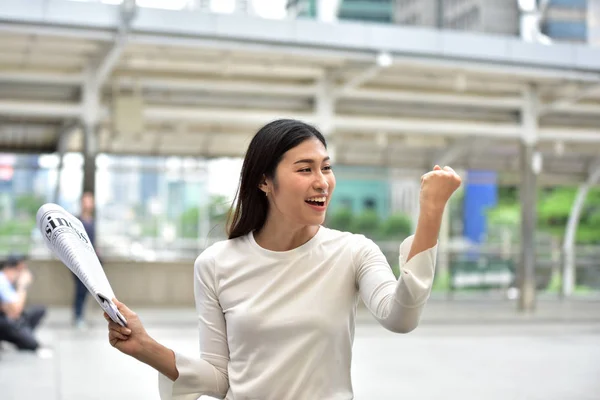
(222, 67)
(353, 123)
(569, 135)
(210, 85)
(44, 109)
(406, 96)
(224, 116)
(108, 60)
(457, 149)
(569, 101)
(57, 31)
(53, 78)
(357, 80)
(248, 86)
(577, 109)
(408, 126)
(483, 68)
(340, 122)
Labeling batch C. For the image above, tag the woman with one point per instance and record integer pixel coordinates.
(276, 302)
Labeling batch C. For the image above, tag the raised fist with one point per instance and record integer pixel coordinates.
(437, 186)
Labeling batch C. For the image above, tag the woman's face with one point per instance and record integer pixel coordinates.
(303, 184)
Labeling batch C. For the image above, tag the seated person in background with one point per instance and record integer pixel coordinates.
(17, 323)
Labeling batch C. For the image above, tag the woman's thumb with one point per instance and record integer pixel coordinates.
(121, 307)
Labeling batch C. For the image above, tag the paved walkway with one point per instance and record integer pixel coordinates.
(462, 350)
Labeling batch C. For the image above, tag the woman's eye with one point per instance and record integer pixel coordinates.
(327, 168)
(305, 170)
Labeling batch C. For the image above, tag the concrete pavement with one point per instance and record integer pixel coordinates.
(462, 350)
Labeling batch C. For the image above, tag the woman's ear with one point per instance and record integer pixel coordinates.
(264, 185)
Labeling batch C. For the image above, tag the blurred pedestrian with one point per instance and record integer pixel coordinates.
(17, 322)
(87, 218)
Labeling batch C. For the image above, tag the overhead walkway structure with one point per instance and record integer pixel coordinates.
(119, 79)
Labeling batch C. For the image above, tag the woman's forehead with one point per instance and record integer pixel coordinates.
(311, 149)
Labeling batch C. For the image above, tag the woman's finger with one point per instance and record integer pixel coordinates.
(121, 306)
(449, 169)
(116, 335)
(119, 328)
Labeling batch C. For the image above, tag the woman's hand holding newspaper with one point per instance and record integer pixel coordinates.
(130, 340)
(134, 341)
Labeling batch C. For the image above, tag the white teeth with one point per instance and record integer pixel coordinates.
(321, 199)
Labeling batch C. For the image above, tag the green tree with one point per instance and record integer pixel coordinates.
(341, 219)
(28, 205)
(396, 226)
(553, 210)
(189, 223)
(367, 223)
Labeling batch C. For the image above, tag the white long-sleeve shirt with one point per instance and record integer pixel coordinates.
(280, 325)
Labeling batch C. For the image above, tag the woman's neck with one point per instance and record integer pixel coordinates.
(279, 236)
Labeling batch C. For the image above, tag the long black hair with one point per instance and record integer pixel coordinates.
(250, 208)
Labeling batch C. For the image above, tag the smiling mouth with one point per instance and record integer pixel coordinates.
(315, 203)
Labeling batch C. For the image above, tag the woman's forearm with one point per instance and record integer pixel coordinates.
(160, 358)
(428, 230)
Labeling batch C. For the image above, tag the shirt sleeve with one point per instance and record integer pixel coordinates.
(396, 303)
(7, 292)
(208, 374)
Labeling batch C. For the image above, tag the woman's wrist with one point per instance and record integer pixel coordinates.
(148, 349)
(158, 357)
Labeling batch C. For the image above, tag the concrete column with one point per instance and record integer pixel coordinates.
(527, 284)
(59, 171)
(530, 168)
(89, 158)
(95, 75)
(90, 118)
(325, 103)
(63, 139)
(325, 110)
(443, 258)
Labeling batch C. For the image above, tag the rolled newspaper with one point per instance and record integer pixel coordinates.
(65, 236)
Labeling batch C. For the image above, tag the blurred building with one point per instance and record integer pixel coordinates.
(489, 16)
(567, 20)
(575, 21)
(24, 177)
(362, 188)
(373, 11)
(593, 22)
(486, 16)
